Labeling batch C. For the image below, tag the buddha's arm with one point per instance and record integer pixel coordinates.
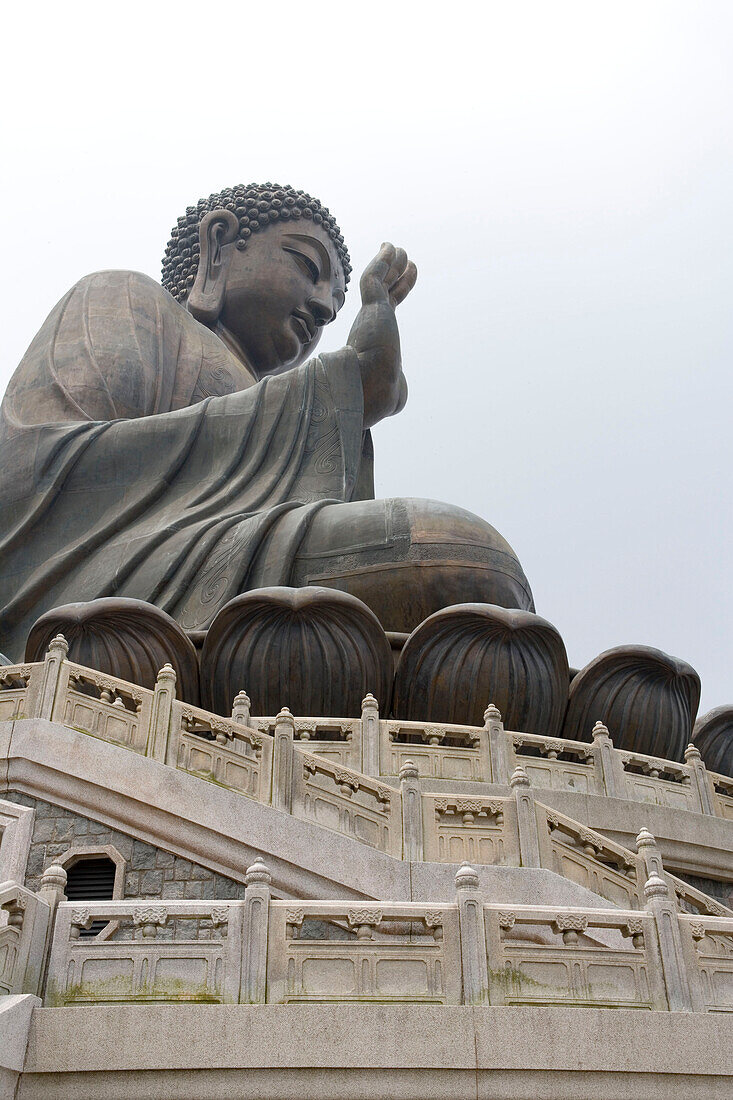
(375, 337)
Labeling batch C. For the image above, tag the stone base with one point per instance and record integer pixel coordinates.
(374, 1052)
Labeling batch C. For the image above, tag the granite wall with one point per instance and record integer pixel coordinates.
(150, 872)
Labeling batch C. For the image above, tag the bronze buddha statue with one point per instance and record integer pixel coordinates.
(183, 443)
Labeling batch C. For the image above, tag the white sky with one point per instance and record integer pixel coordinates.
(562, 174)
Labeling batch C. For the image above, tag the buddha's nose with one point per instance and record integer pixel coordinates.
(322, 310)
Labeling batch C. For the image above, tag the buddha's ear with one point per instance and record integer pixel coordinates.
(217, 229)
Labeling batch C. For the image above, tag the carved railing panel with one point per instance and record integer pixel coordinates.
(222, 750)
(604, 958)
(24, 921)
(363, 951)
(658, 782)
(440, 751)
(692, 900)
(152, 963)
(556, 764)
(347, 802)
(336, 739)
(591, 860)
(103, 706)
(709, 943)
(723, 787)
(14, 681)
(475, 829)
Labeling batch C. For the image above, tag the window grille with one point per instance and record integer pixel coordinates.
(91, 878)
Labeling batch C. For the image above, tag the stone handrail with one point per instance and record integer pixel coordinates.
(708, 951)
(242, 752)
(151, 723)
(24, 925)
(722, 783)
(465, 951)
(336, 739)
(552, 747)
(591, 860)
(722, 794)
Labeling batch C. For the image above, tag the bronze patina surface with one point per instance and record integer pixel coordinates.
(713, 736)
(466, 656)
(125, 638)
(181, 444)
(313, 650)
(647, 698)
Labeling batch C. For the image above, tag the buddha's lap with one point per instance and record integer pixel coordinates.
(406, 558)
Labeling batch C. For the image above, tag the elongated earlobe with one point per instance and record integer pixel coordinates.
(218, 228)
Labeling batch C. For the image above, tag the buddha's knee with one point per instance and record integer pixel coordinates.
(406, 558)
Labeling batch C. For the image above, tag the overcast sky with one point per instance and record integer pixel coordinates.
(562, 173)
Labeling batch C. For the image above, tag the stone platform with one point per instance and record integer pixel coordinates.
(355, 907)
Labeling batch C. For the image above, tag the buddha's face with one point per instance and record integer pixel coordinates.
(281, 290)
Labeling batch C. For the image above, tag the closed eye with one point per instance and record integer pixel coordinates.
(305, 263)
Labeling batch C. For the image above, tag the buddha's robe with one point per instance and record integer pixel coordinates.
(139, 458)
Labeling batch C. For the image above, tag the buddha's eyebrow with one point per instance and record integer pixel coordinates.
(320, 248)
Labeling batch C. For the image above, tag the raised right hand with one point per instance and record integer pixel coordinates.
(374, 336)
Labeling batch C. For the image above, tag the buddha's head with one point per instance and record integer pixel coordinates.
(266, 264)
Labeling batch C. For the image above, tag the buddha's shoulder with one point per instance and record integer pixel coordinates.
(124, 294)
(115, 281)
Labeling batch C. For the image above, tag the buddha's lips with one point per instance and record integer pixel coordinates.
(304, 324)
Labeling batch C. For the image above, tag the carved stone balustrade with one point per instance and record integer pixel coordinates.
(723, 791)
(440, 751)
(591, 860)
(347, 801)
(460, 951)
(360, 952)
(707, 943)
(222, 750)
(336, 739)
(333, 778)
(660, 782)
(25, 918)
(547, 956)
(558, 764)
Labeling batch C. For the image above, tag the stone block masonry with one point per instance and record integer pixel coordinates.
(149, 872)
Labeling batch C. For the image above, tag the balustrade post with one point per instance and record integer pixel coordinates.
(700, 779)
(608, 764)
(497, 747)
(241, 708)
(412, 817)
(282, 761)
(53, 664)
(255, 933)
(669, 938)
(648, 849)
(53, 891)
(474, 964)
(53, 886)
(164, 696)
(529, 841)
(370, 735)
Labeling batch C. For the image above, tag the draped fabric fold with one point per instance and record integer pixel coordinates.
(139, 458)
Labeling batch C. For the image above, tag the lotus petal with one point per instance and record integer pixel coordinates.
(464, 657)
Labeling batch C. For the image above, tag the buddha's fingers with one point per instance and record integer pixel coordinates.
(374, 283)
(404, 284)
(396, 268)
